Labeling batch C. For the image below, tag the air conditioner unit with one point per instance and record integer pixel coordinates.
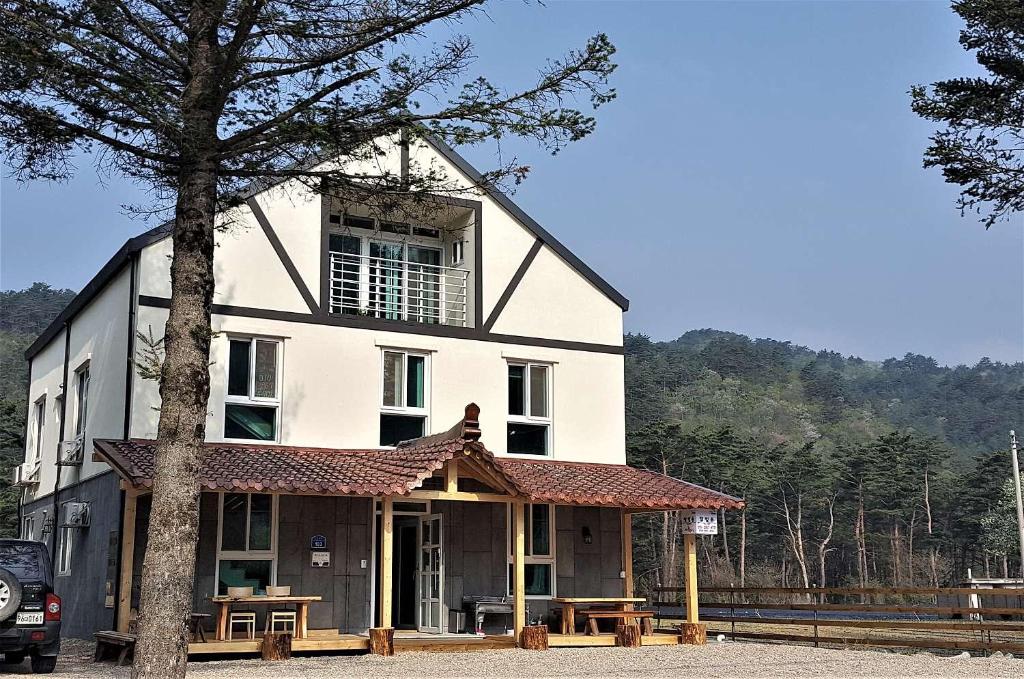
(75, 514)
(26, 474)
(71, 452)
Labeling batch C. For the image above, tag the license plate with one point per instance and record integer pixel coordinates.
(30, 618)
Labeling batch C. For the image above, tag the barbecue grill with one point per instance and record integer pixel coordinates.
(477, 607)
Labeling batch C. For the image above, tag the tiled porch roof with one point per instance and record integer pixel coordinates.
(287, 469)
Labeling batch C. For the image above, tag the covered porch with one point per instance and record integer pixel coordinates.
(405, 542)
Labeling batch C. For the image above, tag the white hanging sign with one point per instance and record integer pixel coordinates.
(699, 522)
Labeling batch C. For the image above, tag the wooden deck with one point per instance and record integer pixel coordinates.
(331, 640)
(577, 640)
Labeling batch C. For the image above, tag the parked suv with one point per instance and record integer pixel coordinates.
(29, 610)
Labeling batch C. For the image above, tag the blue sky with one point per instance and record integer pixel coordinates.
(759, 172)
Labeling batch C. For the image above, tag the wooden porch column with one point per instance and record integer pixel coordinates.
(387, 525)
(627, 555)
(692, 631)
(127, 561)
(690, 577)
(518, 568)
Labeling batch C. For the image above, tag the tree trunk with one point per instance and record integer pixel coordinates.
(823, 549)
(1006, 567)
(382, 640)
(725, 542)
(276, 646)
(534, 638)
(169, 567)
(743, 546)
(910, 549)
(627, 635)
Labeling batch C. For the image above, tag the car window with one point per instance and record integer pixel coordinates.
(25, 561)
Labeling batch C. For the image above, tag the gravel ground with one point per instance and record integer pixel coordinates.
(714, 660)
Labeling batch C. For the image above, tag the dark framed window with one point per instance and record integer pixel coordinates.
(529, 409)
(404, 396)
(253, 401)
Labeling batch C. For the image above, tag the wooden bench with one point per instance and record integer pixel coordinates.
(592, 616)
(108, 643)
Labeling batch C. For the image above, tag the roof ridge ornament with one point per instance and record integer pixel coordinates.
(471, 423)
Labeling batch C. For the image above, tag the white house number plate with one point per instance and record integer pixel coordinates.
(29, 618)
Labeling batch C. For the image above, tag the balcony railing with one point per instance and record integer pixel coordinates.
(397, 290)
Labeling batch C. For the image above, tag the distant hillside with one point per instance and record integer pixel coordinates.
(23, 315)
(777, 392)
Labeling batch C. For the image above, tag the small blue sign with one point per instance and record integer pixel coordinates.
(318, 542)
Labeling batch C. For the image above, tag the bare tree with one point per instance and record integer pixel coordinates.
(197, 99)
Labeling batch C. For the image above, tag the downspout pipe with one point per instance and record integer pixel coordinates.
(60, 440)
(129, 377)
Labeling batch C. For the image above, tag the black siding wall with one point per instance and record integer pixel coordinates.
(83, 593)
(344, 586)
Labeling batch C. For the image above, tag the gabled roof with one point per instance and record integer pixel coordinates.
(135, 245)
(398, 471)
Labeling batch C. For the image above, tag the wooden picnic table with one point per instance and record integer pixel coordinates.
(301, 605)
(569, 605)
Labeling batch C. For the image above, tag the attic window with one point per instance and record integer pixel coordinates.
(394, 227)
(357, 222)
(426, 232)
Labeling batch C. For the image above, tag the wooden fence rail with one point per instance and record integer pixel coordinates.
(970, 630)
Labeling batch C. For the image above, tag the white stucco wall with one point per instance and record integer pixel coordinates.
(99, 336)
(46, 378)
(554, 302)
(331, 380)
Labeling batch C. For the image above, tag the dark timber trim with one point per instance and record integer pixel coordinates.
(411, 328)
(129, 374)
(513, 284)
(282, 254)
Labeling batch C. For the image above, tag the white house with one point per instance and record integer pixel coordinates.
(343, 459)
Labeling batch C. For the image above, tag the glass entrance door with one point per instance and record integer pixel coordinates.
(431, 575)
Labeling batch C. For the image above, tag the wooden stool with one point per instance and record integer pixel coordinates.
(282, 616)
(247, 618)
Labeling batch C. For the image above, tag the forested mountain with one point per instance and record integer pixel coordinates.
(853, 471)
(23, 315)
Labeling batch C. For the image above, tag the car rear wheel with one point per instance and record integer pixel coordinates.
(10, 594)
(43, 664)
(14, 658)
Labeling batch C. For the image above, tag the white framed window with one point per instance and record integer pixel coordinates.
(39, 424)
(539, 564)
(529, 409)
(405, 396)
(28, 528)
(82, 380)
(65, 545)
(252, 404)
(247, 541)
(458, 252)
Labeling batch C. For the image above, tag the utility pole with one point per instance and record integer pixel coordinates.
(1020, 503)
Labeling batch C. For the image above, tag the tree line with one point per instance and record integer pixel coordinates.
(854, 473)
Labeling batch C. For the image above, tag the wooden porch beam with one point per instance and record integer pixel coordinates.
(457, 495)
(124, 587)
(690, 577)
(518, 568)
(387, 525)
